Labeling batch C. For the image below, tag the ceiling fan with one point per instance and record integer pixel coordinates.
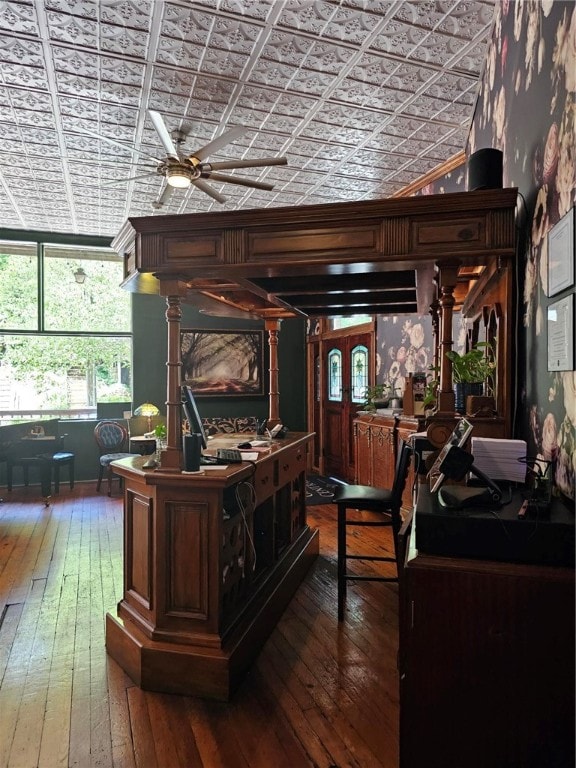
(181, 170)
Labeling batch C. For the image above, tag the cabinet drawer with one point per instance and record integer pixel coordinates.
(291, 464)
(264, 480)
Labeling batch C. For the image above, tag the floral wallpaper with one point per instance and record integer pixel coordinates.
(526, 108)
(404, 344)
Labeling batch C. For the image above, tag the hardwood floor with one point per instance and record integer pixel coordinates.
(319, 694)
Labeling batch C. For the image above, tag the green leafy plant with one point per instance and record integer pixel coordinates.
(475, 366)
(160, 431)
(379, 393)
(431, 390)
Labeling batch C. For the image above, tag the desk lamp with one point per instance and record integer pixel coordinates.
(148, 410)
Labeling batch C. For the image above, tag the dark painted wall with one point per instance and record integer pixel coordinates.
(150, 353)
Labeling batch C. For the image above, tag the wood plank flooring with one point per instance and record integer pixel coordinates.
(319, 695)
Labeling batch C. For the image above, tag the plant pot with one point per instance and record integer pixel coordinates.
(480, 405)
(462, 390)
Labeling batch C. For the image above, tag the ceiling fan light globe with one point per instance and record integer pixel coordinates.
(178, 177)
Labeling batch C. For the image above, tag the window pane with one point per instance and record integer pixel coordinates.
(63, 372)
(359, 373)
(82, 291)
(18, 286)
(348, 322)
(335, 375)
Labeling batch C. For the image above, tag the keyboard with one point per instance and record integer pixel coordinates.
(229, 455)
(223, 456)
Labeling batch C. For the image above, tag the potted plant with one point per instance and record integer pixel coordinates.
(431, 390)
(160, 435)
(377, 396)
(473, 375)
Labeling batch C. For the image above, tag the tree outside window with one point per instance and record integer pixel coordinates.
(65, 328)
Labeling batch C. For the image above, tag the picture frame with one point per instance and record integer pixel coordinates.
(561, 254)
(561, 334)
(222, 363)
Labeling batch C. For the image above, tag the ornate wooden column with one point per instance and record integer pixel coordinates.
(447, 278)
(273, 328)
(435, 315)
(171, 457)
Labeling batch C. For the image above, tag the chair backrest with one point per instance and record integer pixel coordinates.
(111, 437)
(401, 472)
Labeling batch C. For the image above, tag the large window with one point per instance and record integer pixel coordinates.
(65, 329)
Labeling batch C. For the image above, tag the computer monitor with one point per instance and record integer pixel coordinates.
(460, 434)
(191, 411)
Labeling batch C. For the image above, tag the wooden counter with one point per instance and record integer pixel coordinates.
(210, 563)
(486, 657)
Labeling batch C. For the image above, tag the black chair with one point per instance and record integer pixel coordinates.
(24, 454)
(112, 440)
(386, 502)
(26, 463)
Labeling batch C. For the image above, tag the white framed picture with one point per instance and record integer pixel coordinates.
(561, 334)
(561, 254)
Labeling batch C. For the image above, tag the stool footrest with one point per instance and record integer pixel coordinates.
(380, 559)
(353, 577)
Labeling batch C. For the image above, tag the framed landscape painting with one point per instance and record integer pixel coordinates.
(222, 363)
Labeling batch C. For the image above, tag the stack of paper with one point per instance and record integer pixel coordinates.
(498, 458)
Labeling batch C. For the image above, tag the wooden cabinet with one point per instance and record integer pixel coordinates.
(486, 663)
(376, 448)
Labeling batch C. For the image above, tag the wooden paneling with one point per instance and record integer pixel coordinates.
(187, 543)
(487, 664)
(139, 550)
(441, 236)
(305, 244)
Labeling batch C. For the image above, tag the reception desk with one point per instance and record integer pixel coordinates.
(211, 561)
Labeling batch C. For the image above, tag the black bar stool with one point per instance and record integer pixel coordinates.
(385, 501)
(59, 460)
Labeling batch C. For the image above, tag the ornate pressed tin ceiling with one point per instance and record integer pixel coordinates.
(362, 96)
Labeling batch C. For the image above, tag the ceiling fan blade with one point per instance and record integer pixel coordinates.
(164, 196)
(201, 184)
(162, 131)
(130, 178)
(229, 165)
(220, 141)
(239, 180)
(119, 144)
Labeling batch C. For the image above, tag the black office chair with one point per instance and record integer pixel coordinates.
(386, 502)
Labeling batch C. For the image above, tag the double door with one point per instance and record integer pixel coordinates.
(345, 374)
